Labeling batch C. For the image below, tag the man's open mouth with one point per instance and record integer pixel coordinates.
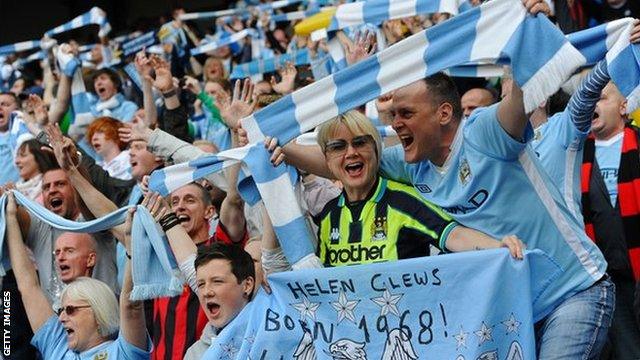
(406, 140)
(55, 203)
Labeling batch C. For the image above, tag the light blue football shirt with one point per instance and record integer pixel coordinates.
(51, 341)
(559, 145)
(10, 172)
(496, 184)
(608, 153)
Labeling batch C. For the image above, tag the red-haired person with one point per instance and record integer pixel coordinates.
(103, 136)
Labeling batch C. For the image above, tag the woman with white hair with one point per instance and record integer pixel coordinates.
(89, 323)
(377, 219)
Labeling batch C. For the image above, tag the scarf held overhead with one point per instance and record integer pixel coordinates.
(154, 269)
(500, 29)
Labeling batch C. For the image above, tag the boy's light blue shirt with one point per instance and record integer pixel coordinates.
(51, 341)
(496, 184)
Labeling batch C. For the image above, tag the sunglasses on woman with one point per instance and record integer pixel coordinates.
(339, 146)
(71, 309)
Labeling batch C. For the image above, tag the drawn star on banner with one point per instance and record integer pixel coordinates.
(512, 324)
(306, 308)
(484, 334)
(345, 307)
(461, 339)
(229, 350)
(388, 303)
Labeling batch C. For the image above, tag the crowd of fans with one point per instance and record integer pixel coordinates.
(186, 107)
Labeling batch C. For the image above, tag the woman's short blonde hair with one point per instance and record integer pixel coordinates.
(356, 122)
(102, 300)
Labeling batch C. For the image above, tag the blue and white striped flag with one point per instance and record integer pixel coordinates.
(223, 41)
(95, 16)
(269, 65)
(497, 30)
(377, 11)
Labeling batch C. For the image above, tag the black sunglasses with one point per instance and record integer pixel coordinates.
(339, 146)
(70, 309)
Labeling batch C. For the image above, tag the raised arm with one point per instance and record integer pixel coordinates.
(305, 157)
(144, 68)
(63, 96)
(98, 204)
(511, 113)
(183, 247)
(132, 324)
(232, 208)
(35, 302)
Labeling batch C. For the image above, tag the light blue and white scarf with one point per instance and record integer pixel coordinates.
(295, 15)
(223, 41)
(497, 30)
(273, 185)
(154, 269)
(377, 11)
(608, 41)
(21, 46)
(95, 16)
(262, 66)
(133, 45)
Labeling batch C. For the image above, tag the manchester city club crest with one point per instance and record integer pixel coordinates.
(103, 355)
(465, 171)
(379, 230)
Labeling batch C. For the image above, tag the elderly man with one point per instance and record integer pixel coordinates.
(60, 197)
(75, 255)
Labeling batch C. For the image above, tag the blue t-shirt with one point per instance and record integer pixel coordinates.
(608, 154)
(51, 341)
(496, 184)
(559, 145)
(9, 172)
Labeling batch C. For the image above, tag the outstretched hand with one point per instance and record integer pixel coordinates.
(131, 132)
(635, 32)
(64, 149)
(287, 79)
(362, 46)
(242, 104)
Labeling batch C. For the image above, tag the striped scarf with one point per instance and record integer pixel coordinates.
(628, 193)
(154, 269)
